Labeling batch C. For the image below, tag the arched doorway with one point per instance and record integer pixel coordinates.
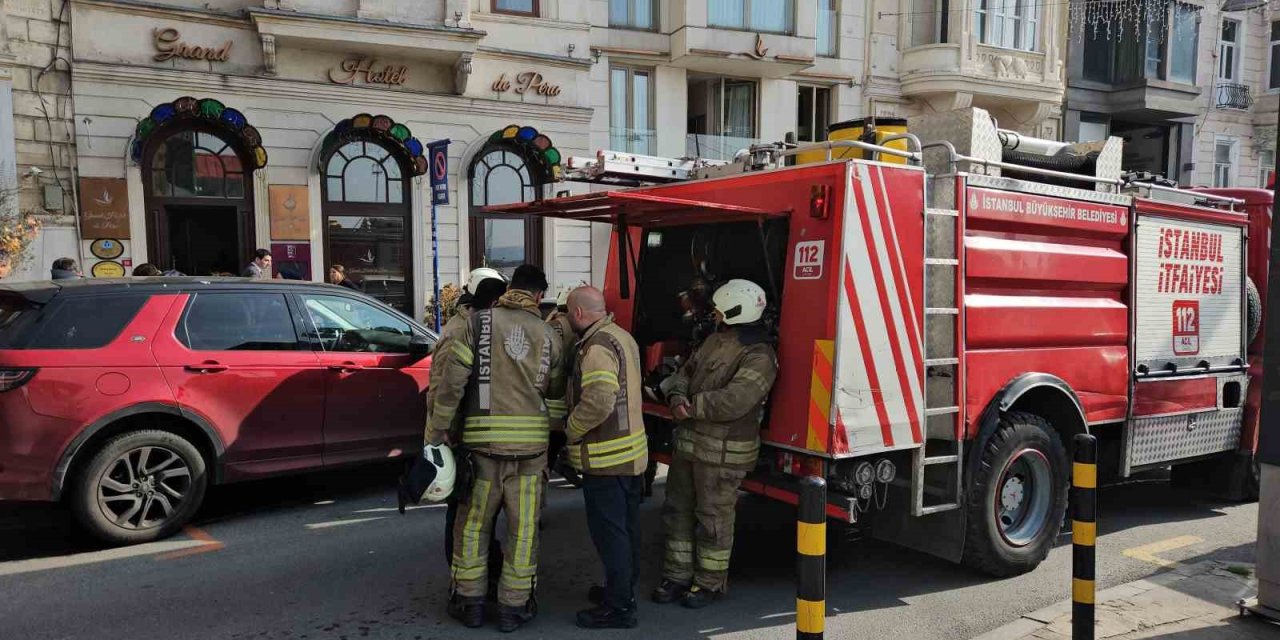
(197, 159)
(367, 166)
(512, 166)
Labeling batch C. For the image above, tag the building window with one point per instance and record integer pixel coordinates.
(366, 220)
(516, 7)
(929, 21)
(501, 174)
(1011, 24)
(1167, 52)
(631, 110)
(1273, 64)
(722, 117)
(193, 164)
(1266, 168)
(1225, 161)
(633, 14)
(769, 16)
(1182, 37)
(813, 114)
(1229, 51)
(828, 28)
(1092, 128)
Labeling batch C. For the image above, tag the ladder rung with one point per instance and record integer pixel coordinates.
(941, 460)
(942, 311)
(938, 508)
(940, 362)
(941, 411)
(942, 212)
(947, 262)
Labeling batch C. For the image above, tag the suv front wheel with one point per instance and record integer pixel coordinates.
(139, 487)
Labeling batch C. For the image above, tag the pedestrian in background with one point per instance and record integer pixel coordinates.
(146, 269)
(338, 276)
(260, 268)
(65, 269)
(498, 373)
(608, 446)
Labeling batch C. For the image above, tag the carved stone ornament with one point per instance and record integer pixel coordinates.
(1009, 67)
(760, 51)
(461, 73)
(268, 54)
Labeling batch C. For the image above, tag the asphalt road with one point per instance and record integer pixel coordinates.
(327, 556)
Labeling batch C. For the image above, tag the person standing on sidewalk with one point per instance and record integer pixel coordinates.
(498, 374)
(718, 400)
(608, 446)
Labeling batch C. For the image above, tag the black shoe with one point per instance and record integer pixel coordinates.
(697, 598)
(669, 592)
(511, 618)
(606, 617)
(468, 611)
(595, 595)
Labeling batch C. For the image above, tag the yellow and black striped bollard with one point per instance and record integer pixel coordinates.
(811, 559)
(1084, 534)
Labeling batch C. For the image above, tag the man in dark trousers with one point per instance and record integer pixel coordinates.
(608, 446)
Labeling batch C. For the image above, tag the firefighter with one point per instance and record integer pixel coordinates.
(717, 399)
(484, 287)
(558, 320)
(498, 373)
(608, 446)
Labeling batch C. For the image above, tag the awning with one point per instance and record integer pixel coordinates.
(637, 209)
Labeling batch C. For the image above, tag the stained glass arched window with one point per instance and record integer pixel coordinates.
(501, 174)
(364, 171)
(195, 164)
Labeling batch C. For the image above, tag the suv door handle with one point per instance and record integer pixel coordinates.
(207, 367)
(346, 367)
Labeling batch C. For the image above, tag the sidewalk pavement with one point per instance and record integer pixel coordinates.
(1191, 602)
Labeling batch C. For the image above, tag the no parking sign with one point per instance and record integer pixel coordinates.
(438, 152)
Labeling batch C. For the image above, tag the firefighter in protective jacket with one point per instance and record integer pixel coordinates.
(498, 375)
(718, 400)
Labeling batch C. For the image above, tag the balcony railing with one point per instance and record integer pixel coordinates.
(1233, 95)
(641, 141)
(710, 147)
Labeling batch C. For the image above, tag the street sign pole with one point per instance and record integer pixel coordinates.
(438, 152)
(1268, 450)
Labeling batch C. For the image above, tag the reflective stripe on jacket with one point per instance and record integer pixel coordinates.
(606, 422)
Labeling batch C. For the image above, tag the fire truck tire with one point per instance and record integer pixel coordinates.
(1255, 309)
(1017, 496)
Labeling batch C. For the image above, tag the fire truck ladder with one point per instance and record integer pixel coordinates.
(938, 467)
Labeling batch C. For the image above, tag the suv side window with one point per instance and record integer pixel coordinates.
(77, 322)
(238, 322)
(348, 325)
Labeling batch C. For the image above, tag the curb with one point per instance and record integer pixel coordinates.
(1029, 623)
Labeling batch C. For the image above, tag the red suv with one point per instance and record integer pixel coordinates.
(128, 398)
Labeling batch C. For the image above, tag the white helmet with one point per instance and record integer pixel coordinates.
(480, 275)
(440, 457)
(739, 301)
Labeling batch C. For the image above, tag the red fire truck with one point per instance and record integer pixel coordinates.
(949, 315)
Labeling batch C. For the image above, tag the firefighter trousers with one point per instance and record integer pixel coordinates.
(515, 486)
(698, 515)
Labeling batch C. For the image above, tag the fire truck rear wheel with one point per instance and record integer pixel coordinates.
(1017, 496)
(1254, 309)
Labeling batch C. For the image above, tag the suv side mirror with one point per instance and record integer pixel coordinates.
(419, 346)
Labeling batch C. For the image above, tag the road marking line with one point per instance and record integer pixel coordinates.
(1147, 552)
(94, 557)
(397, 509)
(194, 533)
(339, 523)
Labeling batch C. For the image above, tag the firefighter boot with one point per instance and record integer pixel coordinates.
(511, 618)
(697, 598)
(607, 617)
(669, 592)
(468, 611)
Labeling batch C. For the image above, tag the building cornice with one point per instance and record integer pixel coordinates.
(529, 21)
(226, 87)
(566, 62)
(152, 10)
(276, 17)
